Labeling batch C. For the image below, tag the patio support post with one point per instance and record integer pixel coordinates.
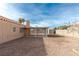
(46, 32)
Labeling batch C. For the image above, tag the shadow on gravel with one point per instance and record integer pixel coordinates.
(55, 35)
(27, 46)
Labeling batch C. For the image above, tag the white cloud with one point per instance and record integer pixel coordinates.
(48, 23)
(9, 12)
(12, 13)
(5, 10)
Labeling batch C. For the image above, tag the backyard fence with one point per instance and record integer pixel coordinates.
(68, 33)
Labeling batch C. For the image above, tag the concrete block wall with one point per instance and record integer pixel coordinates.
(6, 30)
(67, 33)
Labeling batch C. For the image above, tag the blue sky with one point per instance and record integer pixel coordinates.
(42, 14)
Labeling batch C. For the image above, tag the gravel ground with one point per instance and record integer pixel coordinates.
(40, 46)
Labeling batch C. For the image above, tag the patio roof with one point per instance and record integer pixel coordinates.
(36, 27)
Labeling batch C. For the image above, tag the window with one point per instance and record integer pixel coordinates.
(22, 30)
(14, 29)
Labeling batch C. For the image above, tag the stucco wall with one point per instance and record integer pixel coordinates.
(6, 30)
(68, 33)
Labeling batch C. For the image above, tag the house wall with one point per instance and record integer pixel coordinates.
(6, 30)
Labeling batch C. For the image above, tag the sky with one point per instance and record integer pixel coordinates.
(42, 14)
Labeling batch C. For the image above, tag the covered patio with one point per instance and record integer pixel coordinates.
(36, 31)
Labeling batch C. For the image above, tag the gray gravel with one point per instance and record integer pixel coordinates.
(40, 46)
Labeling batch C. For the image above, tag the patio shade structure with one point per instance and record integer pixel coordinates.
(36, 31)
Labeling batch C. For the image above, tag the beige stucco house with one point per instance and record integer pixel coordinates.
(9, 30)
